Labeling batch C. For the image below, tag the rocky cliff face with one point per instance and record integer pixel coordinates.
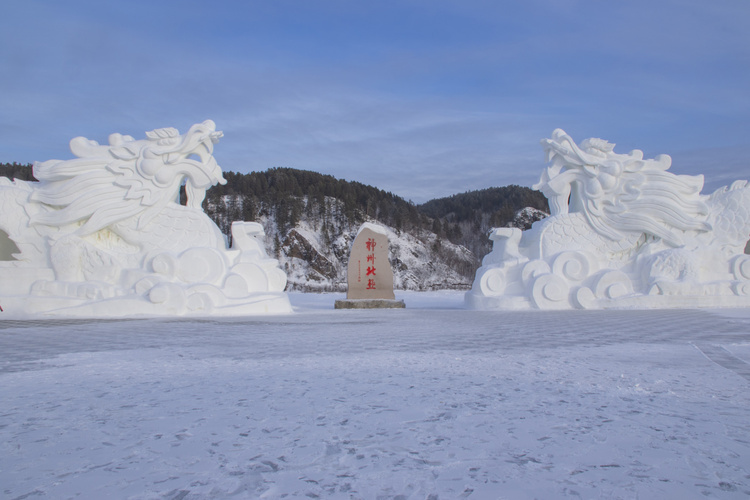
(525, 217)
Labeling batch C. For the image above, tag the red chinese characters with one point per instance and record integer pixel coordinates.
(370, 246)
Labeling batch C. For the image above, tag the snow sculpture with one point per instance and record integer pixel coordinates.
(624, 232)
(104, 235)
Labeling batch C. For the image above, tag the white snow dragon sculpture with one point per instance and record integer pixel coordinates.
(104, 235)
(623, 232)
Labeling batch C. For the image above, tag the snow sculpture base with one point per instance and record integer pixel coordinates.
(103, 236)
(623, 233)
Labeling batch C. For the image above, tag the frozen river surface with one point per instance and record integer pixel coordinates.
(424, 403)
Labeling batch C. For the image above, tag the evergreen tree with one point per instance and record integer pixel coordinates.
(22, 172)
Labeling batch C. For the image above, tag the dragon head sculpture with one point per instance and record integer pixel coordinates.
(621, 193)
(127, 178)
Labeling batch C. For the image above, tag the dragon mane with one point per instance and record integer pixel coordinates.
(621, 193)
(127, 178)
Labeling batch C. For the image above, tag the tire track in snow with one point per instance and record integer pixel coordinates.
(722, 357)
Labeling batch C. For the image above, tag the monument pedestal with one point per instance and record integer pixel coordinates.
(369, 304)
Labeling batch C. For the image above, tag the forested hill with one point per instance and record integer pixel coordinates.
(500, 202)
(284, 199)
(447, 217)
(288, 188)
(466, 218)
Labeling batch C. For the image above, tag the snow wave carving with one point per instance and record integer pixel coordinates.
(104, 235)
(623, 232)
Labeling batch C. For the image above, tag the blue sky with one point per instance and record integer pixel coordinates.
(421, 98)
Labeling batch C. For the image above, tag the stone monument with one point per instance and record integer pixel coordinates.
(103, 235)
(369, 273)
(624, 232)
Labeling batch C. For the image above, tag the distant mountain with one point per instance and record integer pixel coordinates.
(310, 220)
(467, 218)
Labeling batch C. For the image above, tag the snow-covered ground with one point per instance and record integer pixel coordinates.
(428, 402)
